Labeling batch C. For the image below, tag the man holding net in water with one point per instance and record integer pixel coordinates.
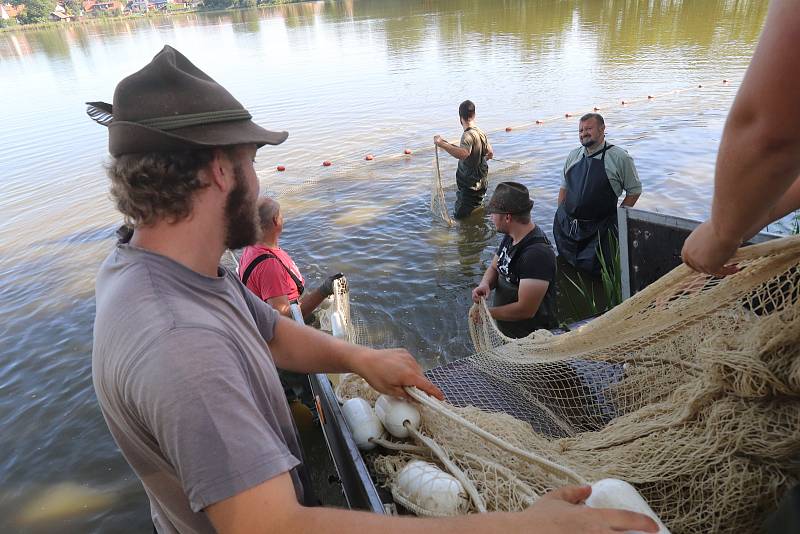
(523, 271)
(473, 171)
(184, 358)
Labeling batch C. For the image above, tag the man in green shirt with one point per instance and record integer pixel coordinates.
(595, 175)
(472, 153)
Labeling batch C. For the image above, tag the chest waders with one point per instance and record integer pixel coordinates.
(471, 179)
(587, 214)
(507, 292)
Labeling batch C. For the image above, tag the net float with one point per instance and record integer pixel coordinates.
(281, 168)
(618, 494)
(369, 157)
(426, 490)
(363, 423)
(326, 163)
(394, 413)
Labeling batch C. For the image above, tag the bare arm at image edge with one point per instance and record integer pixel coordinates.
(758, 156)
(789, 202)
(272, 507)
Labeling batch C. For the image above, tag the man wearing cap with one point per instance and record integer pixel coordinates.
(184, 358)
(595, 175)
(472, 153)
(268, 271)
(523, 271)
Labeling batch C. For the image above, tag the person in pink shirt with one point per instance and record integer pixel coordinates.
(269, 272)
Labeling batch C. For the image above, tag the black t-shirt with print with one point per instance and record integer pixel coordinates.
(532, 258)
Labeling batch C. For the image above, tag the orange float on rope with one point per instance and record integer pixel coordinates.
(650, 97)
(596, 108)
(407, 152)
(369, 157)
(623, 102)
(539, 121)
(326, 163)
(568, 115)
(724, 81)
(281, 168)
(508, 128)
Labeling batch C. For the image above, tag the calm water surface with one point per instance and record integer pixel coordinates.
(345, 79)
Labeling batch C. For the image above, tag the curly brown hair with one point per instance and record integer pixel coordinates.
(153, 186)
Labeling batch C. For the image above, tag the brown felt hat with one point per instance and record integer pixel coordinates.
(510, 197)
(171, 105)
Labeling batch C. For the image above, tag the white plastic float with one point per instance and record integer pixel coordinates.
(613, 493)
(394, 413)
(363, 423)
(337, 326)
(426, 490)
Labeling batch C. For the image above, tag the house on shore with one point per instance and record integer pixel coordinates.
(60, 14)
(93, 7)
(8, 12)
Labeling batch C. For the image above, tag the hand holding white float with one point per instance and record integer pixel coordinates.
(613, 493)
(394, 413)
(362, 421)
(426, 490)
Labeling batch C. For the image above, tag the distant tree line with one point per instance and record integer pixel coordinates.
(241, 4)
(39, 10)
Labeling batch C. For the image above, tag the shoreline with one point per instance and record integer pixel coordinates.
(88, 20)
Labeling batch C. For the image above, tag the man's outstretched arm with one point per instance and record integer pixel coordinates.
(530, 296)
(758, 156)
(457, 152)
(272, 507)
(303, 349)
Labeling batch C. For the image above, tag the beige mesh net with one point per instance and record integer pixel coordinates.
(438, 203)
(690, 390)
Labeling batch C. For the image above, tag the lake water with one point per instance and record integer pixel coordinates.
(345, 79)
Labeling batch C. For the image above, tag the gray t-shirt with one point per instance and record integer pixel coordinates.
(187, 385)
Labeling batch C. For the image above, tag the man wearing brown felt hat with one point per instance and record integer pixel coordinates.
(184, 358)
(523, 271)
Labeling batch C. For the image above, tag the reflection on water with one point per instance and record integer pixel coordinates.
(346, 79)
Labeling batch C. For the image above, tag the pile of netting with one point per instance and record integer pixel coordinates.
(690, 391)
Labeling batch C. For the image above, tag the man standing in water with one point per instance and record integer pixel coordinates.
(184, 358)
(473, 171)
(595, 175)
(523, 271)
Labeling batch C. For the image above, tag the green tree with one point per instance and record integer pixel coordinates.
(216, 4)
(73, 7)
(36, 10)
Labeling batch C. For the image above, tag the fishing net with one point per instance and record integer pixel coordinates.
(339, 303)
(690, 390)
(438, 203)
